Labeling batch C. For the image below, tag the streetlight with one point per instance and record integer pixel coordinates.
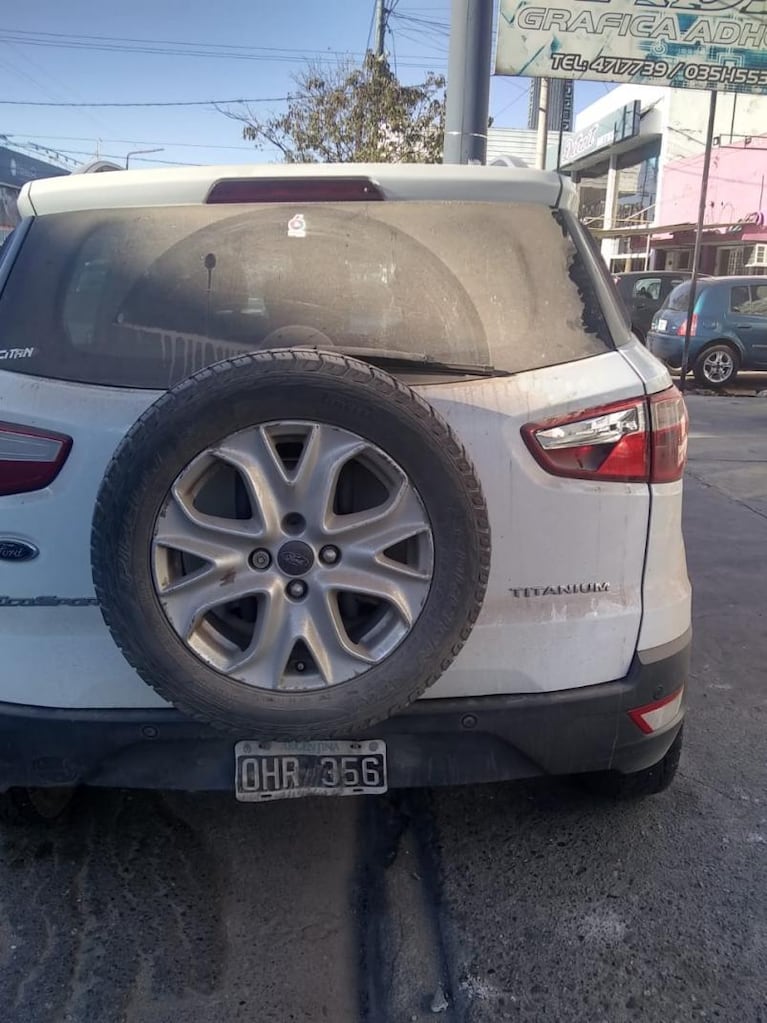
(135, 152)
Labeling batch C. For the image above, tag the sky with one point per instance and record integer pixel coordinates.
(59, 53)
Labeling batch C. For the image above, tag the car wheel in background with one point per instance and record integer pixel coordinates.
(716, 366)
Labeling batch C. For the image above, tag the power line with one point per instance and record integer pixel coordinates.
(120, 157)
(66, 155)
(131, 142)
(168, 103)
(59, 93)
(171, 48)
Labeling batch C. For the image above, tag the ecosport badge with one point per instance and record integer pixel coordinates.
(559, 591)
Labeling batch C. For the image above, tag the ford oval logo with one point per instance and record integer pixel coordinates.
(17, 550)
(295, 557)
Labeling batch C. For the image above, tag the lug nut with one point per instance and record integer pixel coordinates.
(296, 589)
(260, 559)
(330, 555)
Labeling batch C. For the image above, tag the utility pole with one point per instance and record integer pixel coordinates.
(698, 240)
(543, 126)
(468, 81)
(380, 29)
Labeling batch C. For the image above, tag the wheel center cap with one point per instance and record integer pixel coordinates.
(295, 557)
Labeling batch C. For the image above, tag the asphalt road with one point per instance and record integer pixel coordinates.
(516, 902)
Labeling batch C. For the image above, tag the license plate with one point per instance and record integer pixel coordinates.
(265, 771)
(662, 325)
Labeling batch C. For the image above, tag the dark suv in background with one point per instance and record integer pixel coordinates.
(645, 292)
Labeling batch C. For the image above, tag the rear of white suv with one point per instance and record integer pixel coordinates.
(446, 345)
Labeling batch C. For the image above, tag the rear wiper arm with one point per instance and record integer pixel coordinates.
(415, 360)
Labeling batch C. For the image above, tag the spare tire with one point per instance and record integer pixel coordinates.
(290, 544)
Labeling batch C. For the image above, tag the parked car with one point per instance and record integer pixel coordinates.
(415, 523)
(645, 292)
(728, 330)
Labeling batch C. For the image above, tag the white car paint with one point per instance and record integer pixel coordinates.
(179, 186)
(546, 532)
(619, 543)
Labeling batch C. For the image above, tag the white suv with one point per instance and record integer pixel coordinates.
(328, 479)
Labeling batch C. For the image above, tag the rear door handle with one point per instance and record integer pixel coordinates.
(743, 326)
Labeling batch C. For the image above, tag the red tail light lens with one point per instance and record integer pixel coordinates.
(693, 328)
(299, 190)
(670, 425)
(638, 441)
(30, 459)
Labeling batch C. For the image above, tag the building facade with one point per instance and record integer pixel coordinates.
(15, 170)
(637, 156)
(520, 144)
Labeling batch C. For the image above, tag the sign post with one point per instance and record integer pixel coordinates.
(698, 238)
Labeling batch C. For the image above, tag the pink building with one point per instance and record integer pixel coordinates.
(736, 209)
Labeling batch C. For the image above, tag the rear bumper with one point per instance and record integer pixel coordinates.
(669, 348)
(434, 742)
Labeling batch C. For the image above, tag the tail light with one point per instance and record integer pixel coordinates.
(301, 190)
(669, 422)
(682, 332)
(30, 459)
(639, 441)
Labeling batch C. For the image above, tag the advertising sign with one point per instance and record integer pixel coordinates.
(18, 168)
(695, 44)
(617, 126)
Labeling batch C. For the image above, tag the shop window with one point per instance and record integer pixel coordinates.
(735, 264)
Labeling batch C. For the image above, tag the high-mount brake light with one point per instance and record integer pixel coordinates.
(298, 190)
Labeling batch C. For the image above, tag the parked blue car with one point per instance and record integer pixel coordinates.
(729, 328)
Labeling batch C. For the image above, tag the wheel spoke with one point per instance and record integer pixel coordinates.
(400, 518)
(326, 452)
(264, 662)
(323, 632)
(203, 536)
(401, 586)
(187, 600)
(254, 456)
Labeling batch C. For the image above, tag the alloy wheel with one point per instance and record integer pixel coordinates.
(292, 556)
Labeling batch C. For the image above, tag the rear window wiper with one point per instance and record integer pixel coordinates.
(418, 361)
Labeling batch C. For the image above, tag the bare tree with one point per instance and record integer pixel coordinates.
(352, 113)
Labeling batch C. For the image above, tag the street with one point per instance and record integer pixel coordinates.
(532, 901)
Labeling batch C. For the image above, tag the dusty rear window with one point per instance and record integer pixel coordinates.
(145, 297)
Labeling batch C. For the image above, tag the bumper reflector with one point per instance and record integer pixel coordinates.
(655, 716)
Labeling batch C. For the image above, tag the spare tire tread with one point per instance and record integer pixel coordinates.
(112, 506)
